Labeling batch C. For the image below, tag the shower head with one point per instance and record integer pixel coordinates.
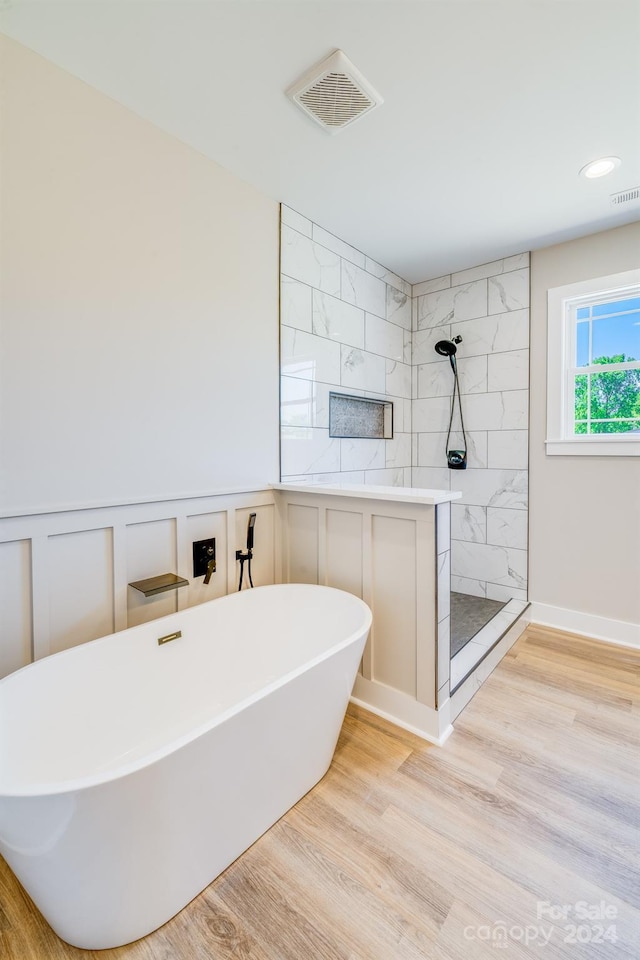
(445, 348)
(448, 348)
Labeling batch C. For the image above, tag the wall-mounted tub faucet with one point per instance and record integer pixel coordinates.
(211, 568)
(204, 558)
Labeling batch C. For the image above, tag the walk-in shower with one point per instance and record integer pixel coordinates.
(469, 614)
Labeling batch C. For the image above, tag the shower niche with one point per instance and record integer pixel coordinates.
(353, 417)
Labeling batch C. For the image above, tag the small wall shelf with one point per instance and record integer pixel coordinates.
(359, 417)
(153, 585)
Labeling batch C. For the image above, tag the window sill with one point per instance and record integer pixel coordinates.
(593, 447)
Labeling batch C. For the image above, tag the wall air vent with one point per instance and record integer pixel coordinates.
(625, 196)
(334, 93)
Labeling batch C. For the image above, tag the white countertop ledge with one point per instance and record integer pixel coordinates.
(370, 491)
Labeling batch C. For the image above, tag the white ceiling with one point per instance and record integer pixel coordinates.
(490, 110)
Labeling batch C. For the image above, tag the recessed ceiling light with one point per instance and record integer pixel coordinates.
(600, 168)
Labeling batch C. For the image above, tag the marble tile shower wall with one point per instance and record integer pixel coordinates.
(345, 327)
(489, 307)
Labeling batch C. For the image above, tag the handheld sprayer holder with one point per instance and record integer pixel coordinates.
(247, 556)
(457, 459)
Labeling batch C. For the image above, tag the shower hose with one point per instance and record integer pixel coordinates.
(456, 392)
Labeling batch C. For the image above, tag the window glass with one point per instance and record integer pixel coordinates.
(617, 336)
(593, 367)
(615, 306)
(616, 426)
(582, 343)
(607, 402)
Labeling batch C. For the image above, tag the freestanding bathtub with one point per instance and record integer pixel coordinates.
(132, 772)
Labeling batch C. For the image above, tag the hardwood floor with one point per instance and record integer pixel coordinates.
(408, 851)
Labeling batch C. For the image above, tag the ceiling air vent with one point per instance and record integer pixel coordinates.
(625, 196)
(334, 93)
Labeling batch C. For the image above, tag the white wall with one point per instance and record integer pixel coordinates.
(585, 511)
(139, 306)
(346, 328)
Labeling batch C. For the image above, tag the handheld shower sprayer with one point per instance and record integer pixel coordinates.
(248, 556)
(448, 348)
(456, 459)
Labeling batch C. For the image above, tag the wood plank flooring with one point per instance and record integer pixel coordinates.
(406, 851)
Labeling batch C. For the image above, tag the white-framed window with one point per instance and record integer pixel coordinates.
(593, 367)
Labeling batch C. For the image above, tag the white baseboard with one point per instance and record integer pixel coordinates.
(403, 710)
(588, 624)
(436, 741)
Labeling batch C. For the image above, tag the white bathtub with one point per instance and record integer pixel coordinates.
(133, 773)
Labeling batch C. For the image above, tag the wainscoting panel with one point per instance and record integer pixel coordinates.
(64, 576)
(344, 555)
(81, 603)
(394, 605)
(383, 551)
(303, 529)
(15, 605)
(151, 549)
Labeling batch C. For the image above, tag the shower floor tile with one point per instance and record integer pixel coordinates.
(467, 659)
(468, 616)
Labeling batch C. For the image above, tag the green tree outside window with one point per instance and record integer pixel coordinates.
(610, 398)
